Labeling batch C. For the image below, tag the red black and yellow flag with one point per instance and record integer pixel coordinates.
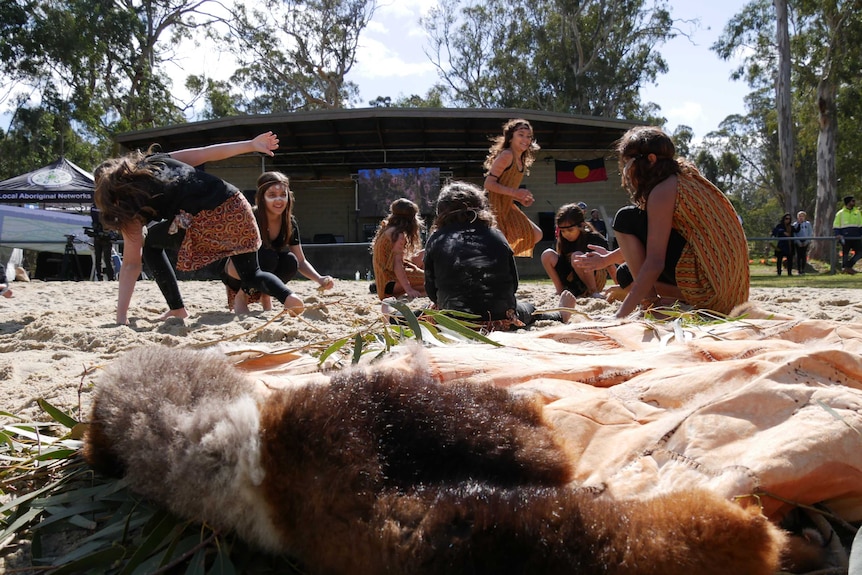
(581, 171)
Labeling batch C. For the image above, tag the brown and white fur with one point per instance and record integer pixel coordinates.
(381, 473)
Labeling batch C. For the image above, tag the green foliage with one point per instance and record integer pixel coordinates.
(295, 55)
(825, 42)
(555, 55)
(38, 136)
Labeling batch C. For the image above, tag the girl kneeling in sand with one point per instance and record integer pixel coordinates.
(470, 267)
(281, 251)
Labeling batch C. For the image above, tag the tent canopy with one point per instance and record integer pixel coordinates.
(60, 181)
(43, 230)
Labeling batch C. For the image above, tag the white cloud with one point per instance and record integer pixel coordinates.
(376, 60)
(404, 8)
(688, 113)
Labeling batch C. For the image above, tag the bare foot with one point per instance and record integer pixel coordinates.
(293, 305)
(180, 313)
(266, 302)
(567, 302)
(5, 290)
(240, 303)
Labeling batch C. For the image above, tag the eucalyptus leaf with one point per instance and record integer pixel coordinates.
(57, 414)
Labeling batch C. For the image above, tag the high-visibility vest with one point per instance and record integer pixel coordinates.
(848, 223)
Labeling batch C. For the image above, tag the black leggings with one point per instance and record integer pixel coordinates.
(158, 240)
(633, 220)
(283, 265)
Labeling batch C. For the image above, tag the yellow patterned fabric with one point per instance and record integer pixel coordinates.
(514, 224)
(216, 234)
(712, 272)
(383, 259)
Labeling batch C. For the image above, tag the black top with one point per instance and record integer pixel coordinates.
(280, 243)
(178, 186)
(585, 239)
(470, 268)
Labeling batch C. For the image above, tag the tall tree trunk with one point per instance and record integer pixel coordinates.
(785, 115)
(824, 211)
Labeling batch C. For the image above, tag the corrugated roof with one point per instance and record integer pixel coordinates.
(378, 137)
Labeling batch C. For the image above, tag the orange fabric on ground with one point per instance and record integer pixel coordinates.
(771, 408)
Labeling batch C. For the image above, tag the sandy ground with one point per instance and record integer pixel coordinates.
(53, 333)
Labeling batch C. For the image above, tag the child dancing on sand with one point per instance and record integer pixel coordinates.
(160, 201)
(281, 251)
(509, 159)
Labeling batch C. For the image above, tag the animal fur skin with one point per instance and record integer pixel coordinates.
(380, 473)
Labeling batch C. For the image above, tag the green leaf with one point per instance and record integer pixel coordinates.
(57, 414)
(357, 348)
(443, 319)
(338, 344)
(97, 560)
(409, 317)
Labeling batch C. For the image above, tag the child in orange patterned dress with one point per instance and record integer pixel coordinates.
(681, 239)
(161, 202)
(508, 161)
(397, 252)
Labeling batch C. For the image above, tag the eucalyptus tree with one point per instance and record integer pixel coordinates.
(295, 55)
(576, 56)
(106, 59)
(825, 38)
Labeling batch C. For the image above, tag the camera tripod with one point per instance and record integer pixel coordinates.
(70, 268)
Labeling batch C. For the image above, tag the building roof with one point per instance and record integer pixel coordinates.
(380, 137)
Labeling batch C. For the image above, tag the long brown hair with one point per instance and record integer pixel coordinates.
(461, 203)
(264, 182)
(404, 218)
(641, 177)
(504, 141)
(124, 187)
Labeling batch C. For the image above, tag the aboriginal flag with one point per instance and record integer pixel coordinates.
(578, 172)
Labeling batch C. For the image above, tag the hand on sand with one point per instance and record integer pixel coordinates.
(326, 282)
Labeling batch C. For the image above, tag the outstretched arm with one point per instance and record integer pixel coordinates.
(264, 143)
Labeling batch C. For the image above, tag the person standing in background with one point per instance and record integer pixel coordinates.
(784, 247)
(509, 160)
(803, 230)
(598, 223)
(848, 227)
(101, 246)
